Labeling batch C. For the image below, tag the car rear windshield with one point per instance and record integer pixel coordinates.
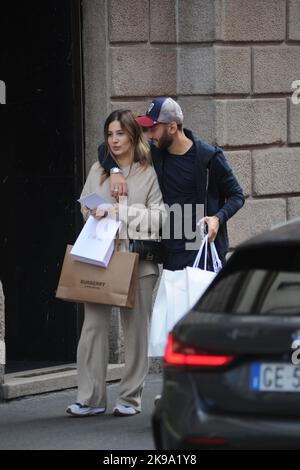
(261, 281)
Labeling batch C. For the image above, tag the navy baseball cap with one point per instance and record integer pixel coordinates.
(161, 110)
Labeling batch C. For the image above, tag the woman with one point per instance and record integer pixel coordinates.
(124, 140)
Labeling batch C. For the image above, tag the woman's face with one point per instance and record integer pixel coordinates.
(118, 140)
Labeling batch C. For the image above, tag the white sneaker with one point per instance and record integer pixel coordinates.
(156, 399)
(124, 410)
(77, 409)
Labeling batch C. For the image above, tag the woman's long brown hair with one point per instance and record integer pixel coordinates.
(141, 151)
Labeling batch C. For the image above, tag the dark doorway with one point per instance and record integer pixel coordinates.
(41, 176)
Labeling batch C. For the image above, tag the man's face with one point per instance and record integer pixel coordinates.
(160, 136)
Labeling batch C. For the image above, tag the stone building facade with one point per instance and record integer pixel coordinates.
(230, 64)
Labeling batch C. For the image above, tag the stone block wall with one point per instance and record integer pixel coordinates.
(230, 64)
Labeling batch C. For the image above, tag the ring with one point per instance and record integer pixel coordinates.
(116, 189)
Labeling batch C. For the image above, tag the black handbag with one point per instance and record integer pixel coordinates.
(149, 250)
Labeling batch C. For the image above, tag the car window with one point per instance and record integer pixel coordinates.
(267, 289)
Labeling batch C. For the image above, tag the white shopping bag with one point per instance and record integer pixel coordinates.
(95, 243)
(177, 299)
(197, 280)
(159, 321)
(170, 305)
(178, 291)
(162, 320)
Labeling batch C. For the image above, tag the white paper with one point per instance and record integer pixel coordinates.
(93, 200)
(95, 243)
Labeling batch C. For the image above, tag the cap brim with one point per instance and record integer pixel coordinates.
(144, 121)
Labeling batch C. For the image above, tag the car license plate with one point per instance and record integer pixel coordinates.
(273, 377)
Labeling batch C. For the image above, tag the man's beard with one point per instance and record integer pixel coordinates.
(165, 141)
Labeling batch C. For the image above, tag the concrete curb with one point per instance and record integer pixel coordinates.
(50, 379)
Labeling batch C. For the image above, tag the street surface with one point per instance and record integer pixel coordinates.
(40, 423)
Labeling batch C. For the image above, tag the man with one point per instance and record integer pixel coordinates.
(190, 173)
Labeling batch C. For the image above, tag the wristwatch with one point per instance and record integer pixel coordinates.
(115, 170)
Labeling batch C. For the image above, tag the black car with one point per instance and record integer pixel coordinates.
(232, 364)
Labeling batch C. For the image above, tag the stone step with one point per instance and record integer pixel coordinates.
(48, 379)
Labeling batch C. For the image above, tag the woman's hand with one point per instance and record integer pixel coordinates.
(118, 185)
(99, 213)
(113, 211)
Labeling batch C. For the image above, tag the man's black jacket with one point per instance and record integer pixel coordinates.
(217, 187)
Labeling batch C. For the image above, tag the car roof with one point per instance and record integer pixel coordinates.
(283, 234)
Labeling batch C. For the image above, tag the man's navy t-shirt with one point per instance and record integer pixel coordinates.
(179, 187)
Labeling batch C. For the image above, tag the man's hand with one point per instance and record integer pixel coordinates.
(213, 224)
(118, 185)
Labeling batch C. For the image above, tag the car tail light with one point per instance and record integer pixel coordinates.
(211, 441)
(179, 354)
